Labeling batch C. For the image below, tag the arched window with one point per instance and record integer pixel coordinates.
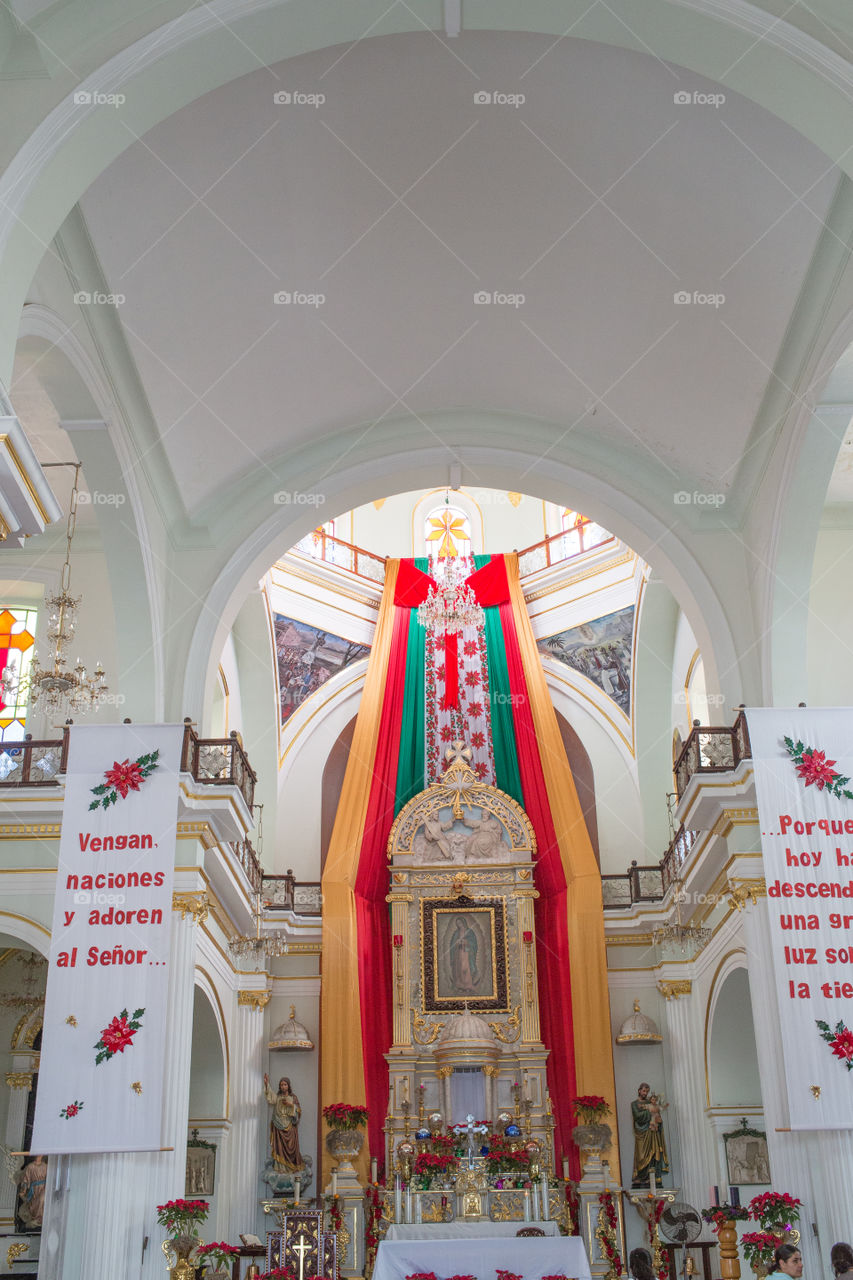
(447, 532)
(580, 533)
(17, 637)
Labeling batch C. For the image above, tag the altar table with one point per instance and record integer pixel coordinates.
(463, 1230)
(529, 1256)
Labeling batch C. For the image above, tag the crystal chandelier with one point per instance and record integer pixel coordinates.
(678, 934)
(58, 687)
(28, 998)
(450, 604)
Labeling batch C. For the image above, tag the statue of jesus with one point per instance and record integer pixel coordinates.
(284, 1132)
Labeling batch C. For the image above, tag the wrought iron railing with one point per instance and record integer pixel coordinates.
(214, 761)
(715, 749)
(284, 893)
(320, 545)
(648, 883)
(244, 852)
(30, 763)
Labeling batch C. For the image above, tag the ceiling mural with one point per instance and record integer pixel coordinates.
(599, 650)
(307, 657)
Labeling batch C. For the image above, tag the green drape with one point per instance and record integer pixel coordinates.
(507, 777)
(410, 765)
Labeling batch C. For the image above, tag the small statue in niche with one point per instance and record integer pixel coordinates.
(284, 1126)
(649, 1141)
(484, 844)
(32, 1183)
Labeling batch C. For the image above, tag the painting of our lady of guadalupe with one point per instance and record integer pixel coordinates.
(464, 956)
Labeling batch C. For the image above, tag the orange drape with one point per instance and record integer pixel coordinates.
(341, 1058)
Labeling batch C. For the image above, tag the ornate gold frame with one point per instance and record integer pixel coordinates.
(431, 910)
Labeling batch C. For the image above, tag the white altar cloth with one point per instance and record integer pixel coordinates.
(461, 1230)
(531, 1257)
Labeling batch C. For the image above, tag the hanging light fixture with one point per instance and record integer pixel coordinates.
(273, 942)
(58, 687)
(28, 997)
(451, 604)
(681, 935)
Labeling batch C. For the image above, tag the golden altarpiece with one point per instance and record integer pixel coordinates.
(467, 1048)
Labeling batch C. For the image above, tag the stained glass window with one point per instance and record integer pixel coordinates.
(17, 637)
(448, 533)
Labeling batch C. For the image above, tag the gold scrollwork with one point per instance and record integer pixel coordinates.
(425, 1032)
(257, 999)
(196, 905)
(504, 1030)
(751, 889)
(507, 1206)
(490, 1070)
(672, 990)
(444, 1072)
(16, 1250)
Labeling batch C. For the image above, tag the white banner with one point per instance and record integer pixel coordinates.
(100, 1077)
(803, 769)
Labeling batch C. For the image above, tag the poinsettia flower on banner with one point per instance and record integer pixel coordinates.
(814, 769)
(125, 776)
(117, 1035)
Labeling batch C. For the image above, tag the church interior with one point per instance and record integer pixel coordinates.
(441, 413)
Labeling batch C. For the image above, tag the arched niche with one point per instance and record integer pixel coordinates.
(208, 1097)
(731, 1056)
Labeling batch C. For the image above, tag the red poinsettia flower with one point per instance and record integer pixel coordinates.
(842, 1045)
(815, 768)
(469, 648)
(475, 710)
(118, 1035)
(446, 733)
(71, 1110)
(478, 739)
(481, 770)
(472, 679)
(124, 777)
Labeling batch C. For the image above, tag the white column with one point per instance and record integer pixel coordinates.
(248, 1111)
(19, 1081)
(686, 1036)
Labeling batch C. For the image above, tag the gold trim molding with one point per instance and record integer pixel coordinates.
(257, 999)
(196, 905)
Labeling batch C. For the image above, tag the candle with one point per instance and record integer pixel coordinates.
(398, 1199)
(406, 1089)
(526, 1092)
(373, 1169)
(717, 1196)
(408, 1202)
(565, 1168)
(546, 1207)
(526, 1204)
(297, 1189)
(418, 1207)
(734, 1197)
(334, 1182)
(652, 1182)
(534, 1201)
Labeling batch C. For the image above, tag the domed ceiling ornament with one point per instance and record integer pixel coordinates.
(291, 1035)
(638, 1029)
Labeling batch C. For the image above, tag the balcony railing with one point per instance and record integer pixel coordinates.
(244, 852)
(648, 883)
(283, 893)
(559, 547)
(320, 545)
(214, 761)
(712, 750)
(33, 764)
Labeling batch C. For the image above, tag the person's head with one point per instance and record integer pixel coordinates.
(640, 1264)
(787, 1260)
(644, 1091)
(841, 1257)
(284, 1085)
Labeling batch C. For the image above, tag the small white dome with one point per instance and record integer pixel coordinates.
(638, 1029)
(466, 1026)
(291, 1034)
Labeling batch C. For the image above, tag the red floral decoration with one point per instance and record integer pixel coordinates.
(398, 939)
(775, 1209)
(72, 1109)
(814, 769)
(607, 1236)
(117, 1035)
(180, 1217)
(278, 1273)
(840, 1041)
(527, 936)
(428, 1163)
(718, 1216)
(372, 1225)
(759, 1246)
(591, 1108)
(220, 1254)
(124, 777)
(504, 1275)
(425, 1275)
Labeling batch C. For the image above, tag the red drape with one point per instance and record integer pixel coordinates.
(451, 669)
(552, 940)
(374, 935)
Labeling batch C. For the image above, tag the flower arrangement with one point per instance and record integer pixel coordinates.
(181, 1217)
(340, 1115)
(591, 1108)
(758, 1247)
(775, 1211)
(606, 1234)
(573, 1209)
(502, 1157)
(336, 1217)
(220, 1254)
(424, 1275)
(278, 1273)
(654, 1240)
(719, 1215)
(464, 1278)
(506, 1275)
(372, 1223)
(429, 1165)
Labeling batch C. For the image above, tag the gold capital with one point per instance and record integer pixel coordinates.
(672, 990)
(19, 1079)
(743, 889)
(196, 905)
(257, 999)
